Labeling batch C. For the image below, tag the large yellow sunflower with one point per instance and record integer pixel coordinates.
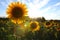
(34, 26)
(47, 24)
(16, 11)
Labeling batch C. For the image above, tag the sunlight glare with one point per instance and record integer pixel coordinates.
(34, 13)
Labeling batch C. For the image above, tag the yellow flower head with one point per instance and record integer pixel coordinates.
(34, 25)
(58, 29)
(55, 23)
(16, 11)
(47, 24)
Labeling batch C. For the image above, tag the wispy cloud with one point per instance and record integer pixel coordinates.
(35, 5)
(52, 15)
(57, 4)
(38, 3)
(6, 3)
(43, 3)
(49, 15)
(3, 4)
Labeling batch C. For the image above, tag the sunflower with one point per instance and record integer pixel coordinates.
(16, 11)
(55, 24)
(58, 29)
(34, 26)
(47, 24)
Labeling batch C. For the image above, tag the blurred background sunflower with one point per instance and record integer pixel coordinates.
(47, 24)
(16, 11)
(34, 26)
(55, 23)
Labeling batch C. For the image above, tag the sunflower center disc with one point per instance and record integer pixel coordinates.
(47, 23)
(33, 25)
(17, 12)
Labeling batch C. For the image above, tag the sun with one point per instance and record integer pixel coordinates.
(16, 11)
(34, 26)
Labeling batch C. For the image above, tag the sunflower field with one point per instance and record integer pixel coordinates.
(30, 30)
(19, 26)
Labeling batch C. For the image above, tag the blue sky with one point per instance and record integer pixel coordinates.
(50, 9)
